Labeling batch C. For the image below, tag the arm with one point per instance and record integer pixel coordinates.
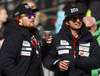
(45, 49)
(91, 62)
(51, 62)
(9, 55)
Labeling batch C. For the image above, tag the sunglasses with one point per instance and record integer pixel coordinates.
(89, 28)
(29, 15)
(74, 19)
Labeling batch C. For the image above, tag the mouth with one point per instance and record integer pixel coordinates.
(78, 24)
(32, 21)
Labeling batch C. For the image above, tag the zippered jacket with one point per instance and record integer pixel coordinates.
(18, 54)
(86, 48)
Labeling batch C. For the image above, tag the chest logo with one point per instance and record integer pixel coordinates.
(63, 42)
(26, 43)
(83, 48)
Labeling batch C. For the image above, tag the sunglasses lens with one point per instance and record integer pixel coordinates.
(34, 15)
(89, 28)
(29, 15)
(80, 18)
(74, 19)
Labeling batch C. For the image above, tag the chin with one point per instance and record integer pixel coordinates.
(30, 26)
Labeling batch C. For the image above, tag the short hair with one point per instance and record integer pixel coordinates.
(16, 19)
(93, 18)
(1, 8)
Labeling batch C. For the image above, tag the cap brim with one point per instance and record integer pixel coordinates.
(76, 14)
(35, 10)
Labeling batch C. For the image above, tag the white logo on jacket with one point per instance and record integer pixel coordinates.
(25, 53)
(26, 43)
(63, 52)
(64, 42)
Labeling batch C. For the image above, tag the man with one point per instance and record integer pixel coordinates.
(21, 54)
(91, 25)
(74, 43)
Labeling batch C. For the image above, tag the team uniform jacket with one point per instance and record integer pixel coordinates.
(18, 53)
(87, 53)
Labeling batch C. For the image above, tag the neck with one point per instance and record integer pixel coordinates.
(76, 33)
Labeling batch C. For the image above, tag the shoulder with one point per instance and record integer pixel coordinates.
(14, 36)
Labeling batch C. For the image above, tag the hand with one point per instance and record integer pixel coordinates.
(74, 56)
(49, 40)
(63, 66)
(1, 42)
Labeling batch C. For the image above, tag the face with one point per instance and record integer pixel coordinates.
(75, 22)
(92, 29)
(32, 5)
(27, 20)
(90, 24)
(3, 15)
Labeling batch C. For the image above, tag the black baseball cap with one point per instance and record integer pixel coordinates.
(72, 11)
(23, 8)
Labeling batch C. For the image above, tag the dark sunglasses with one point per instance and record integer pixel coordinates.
(89, 28)
(29, 15)
(74, 19)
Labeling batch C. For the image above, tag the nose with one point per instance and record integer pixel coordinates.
(32, 17)
(78, 19)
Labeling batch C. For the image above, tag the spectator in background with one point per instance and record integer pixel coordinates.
(60, 15)
(93, 5)
(3, 21)
(40, 20)
(91, 25)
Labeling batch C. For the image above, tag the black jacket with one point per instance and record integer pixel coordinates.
(18, 53)
(87, 53)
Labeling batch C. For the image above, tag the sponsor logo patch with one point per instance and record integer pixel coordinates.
(86, 54)
(26, 48)
(64, 47)
(83, 48)
(26, 43)
(63, 52)
(24, 53)
(63, 42)
(85, 44)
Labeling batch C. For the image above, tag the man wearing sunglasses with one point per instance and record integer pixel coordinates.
(73, 43)
(21, 54)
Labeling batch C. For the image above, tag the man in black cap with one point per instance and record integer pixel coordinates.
(75, 51)
(21, 54)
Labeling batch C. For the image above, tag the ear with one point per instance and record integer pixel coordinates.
(20, 21)
(96, 26)
(67, 23)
